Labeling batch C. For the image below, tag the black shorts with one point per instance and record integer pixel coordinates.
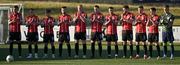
(48, 38)
(153, 37)
(32, 36)
(15, 36)
(80, 35)
(141, 37)
(64, 36)
(110, 38)
(127, 35)
(96, 36)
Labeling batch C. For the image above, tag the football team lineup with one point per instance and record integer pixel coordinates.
(97, 21)
(136, 43)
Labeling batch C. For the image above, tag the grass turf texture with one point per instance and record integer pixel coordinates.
(80, 61)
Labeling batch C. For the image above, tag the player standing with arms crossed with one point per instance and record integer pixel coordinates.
(32, 22)
(127, 19)
(153, 34)
(96, 29)
(167, 20)
(111, 21)
(48, 24)
(14, 30)
(141, 36)
(80, 19)
(64, 22)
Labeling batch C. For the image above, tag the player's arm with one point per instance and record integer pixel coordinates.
(148, 22)
(121, 20)
(107, 21)
(92, 18)
(156, 23)
(42, 22)
(171, 21)
(53, 22)
(116, 20)
(102, 19)
(137, 21)
(11, 19)
(130, 19)
(162, 20)
(69, 20)
(84, 18)
(75, 18)
(58, 21)
(26, 21)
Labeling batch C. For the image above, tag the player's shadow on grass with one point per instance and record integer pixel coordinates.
(4, 53)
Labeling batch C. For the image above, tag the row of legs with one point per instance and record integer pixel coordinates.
(99, 47)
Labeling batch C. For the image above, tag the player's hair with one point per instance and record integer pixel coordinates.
(141, 6)
(166, 6)
(153, 9)
(96, 6)
(16, 7)
(111, 8)
(63, 7)
(48, 11)
(126, 6)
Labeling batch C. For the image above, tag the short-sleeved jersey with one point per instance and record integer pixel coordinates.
(48, 25)
(15, 22)
(154, 28)
(127, 16)
(96, 22)
(80, 24)
(111, 27)
(32, 22)
(141, 25)
(167, 20)
(64, 21)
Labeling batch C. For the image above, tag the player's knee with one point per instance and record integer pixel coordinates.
(156, 44)
(99, 42)
(60, 42)
(171, 44)
(164, 44)
(83, 41)
(92, 41)
(108, 43)
(144, 43)
(137, 43)
(76, 41)
(150, 43)
(115, 43)
(67, 42)
(124, 42)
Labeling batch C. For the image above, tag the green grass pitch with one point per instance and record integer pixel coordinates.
(80, 61)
